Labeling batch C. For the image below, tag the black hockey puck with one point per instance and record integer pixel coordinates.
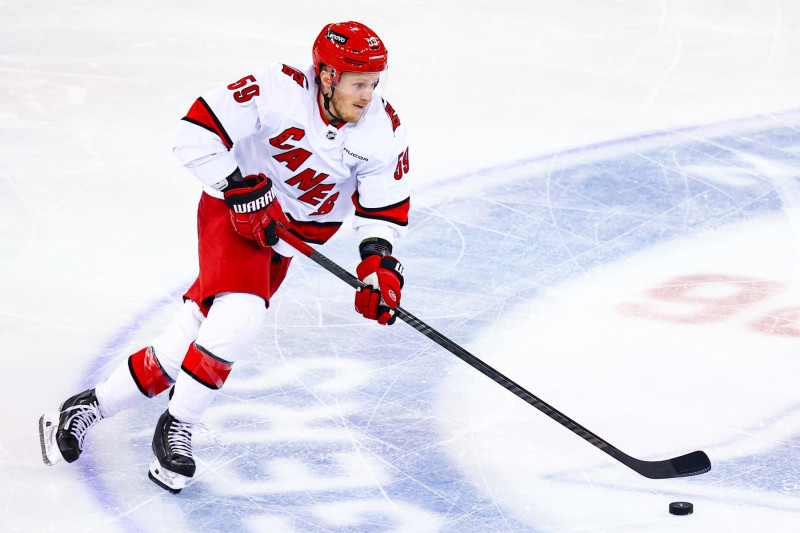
(681, 508)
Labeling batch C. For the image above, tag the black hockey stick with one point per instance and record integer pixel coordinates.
(690, 464)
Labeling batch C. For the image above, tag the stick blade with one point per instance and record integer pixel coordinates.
(691, 464)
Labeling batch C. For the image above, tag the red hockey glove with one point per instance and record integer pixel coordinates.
(384, 279)
(255, 209)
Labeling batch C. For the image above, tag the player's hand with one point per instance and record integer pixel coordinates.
(384, 279)
(255, 209)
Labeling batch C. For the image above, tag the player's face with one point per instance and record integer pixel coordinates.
(353, 93)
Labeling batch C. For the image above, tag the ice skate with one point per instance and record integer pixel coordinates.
(61, 433)
(172, 446)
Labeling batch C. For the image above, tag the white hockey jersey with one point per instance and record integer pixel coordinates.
(270, 122)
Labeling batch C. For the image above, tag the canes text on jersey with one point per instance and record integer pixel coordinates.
(309, 181)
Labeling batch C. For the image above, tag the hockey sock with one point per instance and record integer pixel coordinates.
(139, 376)
(202, 375)
(148, 374)
(233, 322)
(206, 368)
(172, 343)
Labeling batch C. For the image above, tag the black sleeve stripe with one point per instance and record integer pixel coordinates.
(384, 208)
(384, 218)
(202, 115)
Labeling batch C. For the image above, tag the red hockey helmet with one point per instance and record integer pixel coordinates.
(348, 47)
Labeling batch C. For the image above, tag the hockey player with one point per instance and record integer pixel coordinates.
(301, 147)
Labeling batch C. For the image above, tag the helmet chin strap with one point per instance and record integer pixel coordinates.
(326, 102)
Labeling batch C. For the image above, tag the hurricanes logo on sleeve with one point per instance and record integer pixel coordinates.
(392, 115)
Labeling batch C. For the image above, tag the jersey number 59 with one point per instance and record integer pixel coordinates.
(402, 165)
(247, 91)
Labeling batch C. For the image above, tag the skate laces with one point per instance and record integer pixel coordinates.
(78, 423)
(180, 434)
(179, 437)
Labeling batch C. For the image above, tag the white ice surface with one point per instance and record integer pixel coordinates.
(97, 227)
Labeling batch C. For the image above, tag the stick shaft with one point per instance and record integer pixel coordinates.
(687, 465)
(446, 343)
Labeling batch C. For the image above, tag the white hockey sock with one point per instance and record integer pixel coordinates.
(233, 322)
(118, 391)
(171, 345)
(191, 399)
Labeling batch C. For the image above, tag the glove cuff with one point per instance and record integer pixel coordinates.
(374, 246)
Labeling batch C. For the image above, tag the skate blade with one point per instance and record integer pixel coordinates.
(48, 427)
(165, 479)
